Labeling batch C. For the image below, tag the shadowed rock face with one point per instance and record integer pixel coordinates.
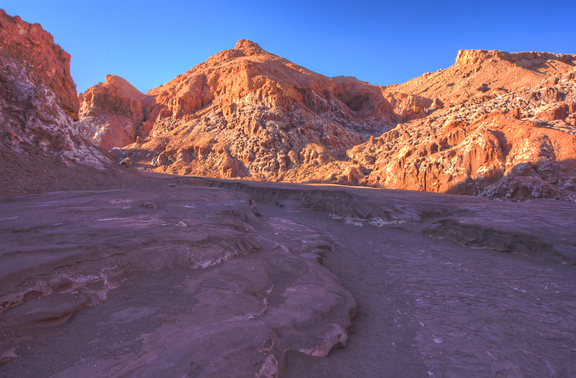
(175, 281)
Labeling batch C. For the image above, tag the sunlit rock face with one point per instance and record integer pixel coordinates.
(495, 123)
(38, 106)
(111, 113)
(506, 129)
(248, 113)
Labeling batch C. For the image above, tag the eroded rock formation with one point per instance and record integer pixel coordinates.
(170, 280)
(248, 113)
(514, 138)
(495, 123)
(38, 106)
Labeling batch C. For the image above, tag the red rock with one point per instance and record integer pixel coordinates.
(39, 144)
(481, 148)
(248, 113)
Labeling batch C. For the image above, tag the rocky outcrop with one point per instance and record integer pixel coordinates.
(111, 114)
(38, 105)
(28, 45)
(248, 113)
(482, 75)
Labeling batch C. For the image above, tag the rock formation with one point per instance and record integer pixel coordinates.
(495, 123)
(38, 106)
(248, 113)
(111, 113)
(513, 137)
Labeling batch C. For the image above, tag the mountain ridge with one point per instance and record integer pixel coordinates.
(246, 113)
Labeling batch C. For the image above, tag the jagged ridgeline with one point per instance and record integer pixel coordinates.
(495, 123)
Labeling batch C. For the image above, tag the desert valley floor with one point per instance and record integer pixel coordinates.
(440, 285)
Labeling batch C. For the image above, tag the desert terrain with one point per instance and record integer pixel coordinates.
(252, 218)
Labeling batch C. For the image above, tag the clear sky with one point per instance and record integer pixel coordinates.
(382, 42)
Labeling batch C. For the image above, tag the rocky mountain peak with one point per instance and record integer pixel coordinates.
(123, 86)
(249, 47)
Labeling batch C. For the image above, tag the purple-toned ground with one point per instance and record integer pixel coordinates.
(185, 277)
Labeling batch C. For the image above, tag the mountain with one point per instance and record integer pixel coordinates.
(508, 130)
(247, 113)
(495, 123)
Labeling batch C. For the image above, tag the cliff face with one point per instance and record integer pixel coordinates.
(248, 113)
(38, 105)
(28, 45)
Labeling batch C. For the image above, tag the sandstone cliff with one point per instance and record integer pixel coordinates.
(513, 137)
(38, 106)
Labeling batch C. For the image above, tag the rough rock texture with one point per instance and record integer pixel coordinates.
(30, 46)
(515, 141)
(478, 75)
(37, 105)
(495, 123)
(161, 281)
(248, 113)
(111, 114)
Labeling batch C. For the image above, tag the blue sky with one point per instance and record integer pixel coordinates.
(150, 42)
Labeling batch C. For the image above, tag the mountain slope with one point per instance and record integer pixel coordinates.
(514, 138)
(495, 123)
(41, 148)
(248, 113)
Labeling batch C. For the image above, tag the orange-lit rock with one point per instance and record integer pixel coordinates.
(39, 143)
(111, 113)
(248, 113)
(519, 146)
(31, 46)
